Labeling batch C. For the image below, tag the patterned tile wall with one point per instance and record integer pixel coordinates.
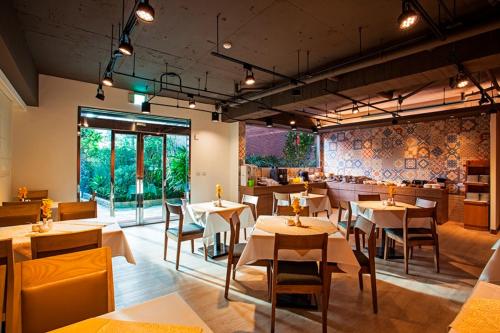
(423, 150)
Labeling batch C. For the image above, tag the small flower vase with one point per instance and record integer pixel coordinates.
(219, 202)
(297, 220)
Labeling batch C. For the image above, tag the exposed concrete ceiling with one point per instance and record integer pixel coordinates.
(69, 39)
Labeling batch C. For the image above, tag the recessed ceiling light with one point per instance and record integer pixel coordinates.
(227, 45)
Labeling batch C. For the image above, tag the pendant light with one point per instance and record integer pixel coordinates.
(318, 123)
(108, 79)
(215, 117)
(269, 123)
(294, 127)
(125, 46)
(146, 107)
(100, 92)
(192, 102)
(249, 78)
(408, 18)
(145, 12)
(355, 108)
(461, 80)
(314, 130)
(292, 122)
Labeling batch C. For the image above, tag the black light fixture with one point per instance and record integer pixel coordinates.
(145, 12)
(249, 78)
(108, 79)
(100, 92)
(461, 80)
(318, 123)
(394, 120)
(292, 122)
(483, 99)
(314, 130)
(125, 46)
(355, 108)
(294, 127)
(146, 107)
(408, 18)
(269, 123)
(215, 117)
(192, 102)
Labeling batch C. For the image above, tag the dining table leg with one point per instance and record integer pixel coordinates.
(217, 249)
(391, 251)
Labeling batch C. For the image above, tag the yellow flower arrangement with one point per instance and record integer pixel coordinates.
(218, 191)
(296, 206)
(392, 190)
(306, 185)
(47, 208)
(22, 193)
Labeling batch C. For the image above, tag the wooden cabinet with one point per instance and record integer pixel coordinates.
(476, 215)
(477, 190)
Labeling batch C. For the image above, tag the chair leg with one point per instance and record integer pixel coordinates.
(269, 281)
(273, 310)
(228, 279)
(406, 249)
(178, 254)
(324, 306)
(192, 245)
(360, 278)
(234, 272)
(436, 256)
(165, 248)
(205, 252)
(245, 233)
(225, 237)
(374, 292)
(386, 246)
(329, 288)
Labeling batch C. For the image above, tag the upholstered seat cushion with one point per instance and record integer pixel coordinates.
(187, 229)
(413, 233)
(298, 273)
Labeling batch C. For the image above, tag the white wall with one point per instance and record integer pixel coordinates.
(45, 141)
(5, 147)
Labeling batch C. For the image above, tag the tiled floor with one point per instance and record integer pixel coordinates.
(420, 302)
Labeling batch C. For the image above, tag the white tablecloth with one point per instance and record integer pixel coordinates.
(261, 243)
(316, 202)
(212, 218)
(112, 236)
(491, 272)
(169, 309)
(386, 216)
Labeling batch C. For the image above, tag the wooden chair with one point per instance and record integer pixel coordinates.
(19, 214)
(369, 197)
(288, 211)
(52, 245)
(424, 203)
(77, 210)
(346, 226)
(234, 254)
(57, 291)
(411, 237)
(365, 228)
(37, 194)
(7, 279)
(21, 203)
(252, 201)
(183, 232)
(280, 199)
(292, 277)
(320, 191)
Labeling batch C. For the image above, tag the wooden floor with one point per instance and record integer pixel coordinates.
(420, 302)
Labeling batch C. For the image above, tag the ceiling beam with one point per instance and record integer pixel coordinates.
(428, 64)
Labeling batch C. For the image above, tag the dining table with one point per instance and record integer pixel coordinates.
(215, 219)
(387, 216)
(315, 202)
(112, 236)
(260, 244)
(169, 314)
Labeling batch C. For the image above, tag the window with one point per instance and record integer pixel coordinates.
(267, 147)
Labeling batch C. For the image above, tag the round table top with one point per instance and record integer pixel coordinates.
(310, 225)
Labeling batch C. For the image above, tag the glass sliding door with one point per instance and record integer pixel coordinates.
(154, 178)
(124, 178)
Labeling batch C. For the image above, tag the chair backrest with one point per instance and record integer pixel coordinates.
(57, 291)
(424, 203)
(7, 260)
(19, 214)
(368, 197)
(251, 200)
(419, 213)
(174, 209)
(322, 191)
(366, 227)
(288, 211)
(37, 194)
(77, 210)
(21, 203)
(234, 232)
(281, 196)
(344, 206)
(51, 245)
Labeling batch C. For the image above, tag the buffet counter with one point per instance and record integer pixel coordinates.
(349, 192)
(265, 194)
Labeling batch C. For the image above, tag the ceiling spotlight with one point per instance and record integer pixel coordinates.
(249, 78)
(461, 80)
(192, 102)
(318, 123)
(294, 127)
(100, 93)
(126, 47)
(269, 123)
(108, 79)
(355, 108)
(483, 99)
(146, 107)
(292, 122)
(145, 12)
(314, 130)
(394, 120)
(408, 17)
(227, 45)
(215, 117)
